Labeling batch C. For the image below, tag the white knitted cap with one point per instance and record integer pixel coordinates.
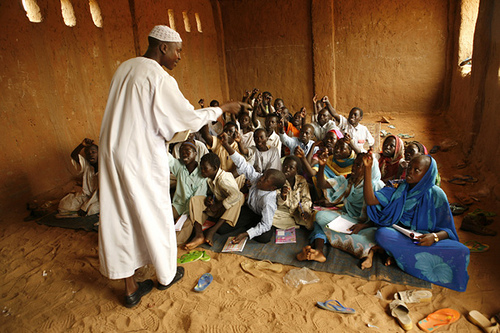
(165, 34)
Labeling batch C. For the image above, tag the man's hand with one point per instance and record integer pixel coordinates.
(240, 237)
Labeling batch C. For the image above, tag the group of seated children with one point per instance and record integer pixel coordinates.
(250, 179)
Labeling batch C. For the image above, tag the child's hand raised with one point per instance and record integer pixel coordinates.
(87, 142)
(303, 112)
(224, 138)
(201, 102)
(322, 157)
(315, 99)
(299, 152)
(368, 160)
(325, 99)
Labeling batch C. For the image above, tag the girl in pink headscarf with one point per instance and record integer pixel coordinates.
(390, 158)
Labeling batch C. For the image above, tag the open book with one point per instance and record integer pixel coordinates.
(180, 136)
(340, 224)
(230, 247)
(407, 232)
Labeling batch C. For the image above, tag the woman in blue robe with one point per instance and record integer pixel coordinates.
(418, 205)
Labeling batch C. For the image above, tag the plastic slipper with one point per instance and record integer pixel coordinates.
(400, 311)
(249, 267)
(405, 136)
(479, 211)
(205, 257)
(466, 178)
(438, 319)
(435, 149)
(337, 307)
(476, 247)
(204, 282)
(457, 181)
(478, 319)
(457, 209)
(190, 257)
(266, 264)
(414, 296)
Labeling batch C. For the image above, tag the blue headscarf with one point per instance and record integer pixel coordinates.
(423, 208)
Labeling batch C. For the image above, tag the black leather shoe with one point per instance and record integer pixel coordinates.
(177, 277)
(143, 289)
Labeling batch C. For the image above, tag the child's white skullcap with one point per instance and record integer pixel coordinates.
(165, 34)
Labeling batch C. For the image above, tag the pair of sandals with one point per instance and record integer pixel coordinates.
(399, 309)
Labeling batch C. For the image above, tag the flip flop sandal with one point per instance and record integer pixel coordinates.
(406, 136)
(205, 257)
(249, 267)
(476, 247)
(479, 211)
(190, 257)
(457, 181)
(438, 319)
(413, 296)
(204, 282)
(435, 149)
(400, 311)
(458, 209)
(466, 178)
(266, 264)
(337, 307)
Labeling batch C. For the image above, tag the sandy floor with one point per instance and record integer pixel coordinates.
(50, 282)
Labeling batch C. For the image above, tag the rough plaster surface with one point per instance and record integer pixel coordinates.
(268, 46)
(55, 79)
(388, 55)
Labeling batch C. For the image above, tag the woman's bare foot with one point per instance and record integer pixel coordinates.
(301, 256)
(197, 241)
(389, 261)
(316, 255)
(367, 262)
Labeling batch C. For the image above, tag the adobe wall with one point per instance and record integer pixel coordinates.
(55, 79)
(387, 55)
(268, 46)
(475, 98)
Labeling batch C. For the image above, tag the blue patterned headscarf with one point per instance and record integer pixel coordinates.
(423, 208)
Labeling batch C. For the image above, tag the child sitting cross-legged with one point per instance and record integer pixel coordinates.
(261, 204)
(294, 199)
(190, 183)
(347, 191)
(223, 202)
(85, 201)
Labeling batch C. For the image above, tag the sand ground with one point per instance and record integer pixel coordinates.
(50, 280)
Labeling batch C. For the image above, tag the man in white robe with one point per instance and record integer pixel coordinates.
(145, 108)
